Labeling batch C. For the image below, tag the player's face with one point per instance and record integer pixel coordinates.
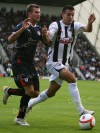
(68, 16)
(35, 15)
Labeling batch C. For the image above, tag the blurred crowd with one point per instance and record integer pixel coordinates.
(8, 20)
(91, 62)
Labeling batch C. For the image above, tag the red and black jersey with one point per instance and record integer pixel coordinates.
(26, 44)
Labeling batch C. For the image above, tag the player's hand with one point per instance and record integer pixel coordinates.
(26, 23)
(45, 31)
(66, 41)
(91, 18)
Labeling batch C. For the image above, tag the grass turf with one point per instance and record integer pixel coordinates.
(56, 115)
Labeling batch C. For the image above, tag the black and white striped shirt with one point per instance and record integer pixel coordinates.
(62, 52)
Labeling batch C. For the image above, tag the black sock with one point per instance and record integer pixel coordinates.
(18, 92)
(23, 105)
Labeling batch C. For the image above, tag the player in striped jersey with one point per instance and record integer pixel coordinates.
(61, 38)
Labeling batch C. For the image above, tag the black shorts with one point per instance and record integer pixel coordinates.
(25, 74)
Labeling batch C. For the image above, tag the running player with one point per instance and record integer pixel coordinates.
(61, 38)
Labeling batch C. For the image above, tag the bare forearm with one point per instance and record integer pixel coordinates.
(91, 19)
(14, 36)
(89, 27)
(46, 40)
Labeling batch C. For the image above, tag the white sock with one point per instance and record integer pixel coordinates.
(42, 97)
(74, 92)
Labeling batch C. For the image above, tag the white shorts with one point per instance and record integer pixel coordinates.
(54, 68)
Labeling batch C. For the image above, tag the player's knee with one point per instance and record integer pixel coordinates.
(53, 89)
(51, 94)
(72, 79)
(33, 93)
(36, 93)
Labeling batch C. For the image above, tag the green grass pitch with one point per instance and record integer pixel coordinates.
(56, 115)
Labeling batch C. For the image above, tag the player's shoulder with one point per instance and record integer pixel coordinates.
(38, 27)
(18, 26)
(54, 25)
(76, 23)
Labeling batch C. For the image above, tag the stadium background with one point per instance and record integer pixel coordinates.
(83, 10)
(57, 115)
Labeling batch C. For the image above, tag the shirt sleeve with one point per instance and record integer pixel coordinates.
(78, 27)
(53, 28)
(17, 27)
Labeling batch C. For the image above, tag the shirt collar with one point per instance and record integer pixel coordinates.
(61, 21)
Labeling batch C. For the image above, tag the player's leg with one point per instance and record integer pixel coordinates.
(30, 82)
(55, 84)
(19, 91)
(8, 91)
(71, 79)
(24, 101)
(29, 91)
(50, 92)
(11, 91)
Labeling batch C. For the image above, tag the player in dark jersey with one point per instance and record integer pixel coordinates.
(26, 35)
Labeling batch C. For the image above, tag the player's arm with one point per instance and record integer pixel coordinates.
(88, 27)
(49, 34)
(15, 35)
(45, 36)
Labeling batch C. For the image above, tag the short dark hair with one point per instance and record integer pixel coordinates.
(69, 7)
(30, 8)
